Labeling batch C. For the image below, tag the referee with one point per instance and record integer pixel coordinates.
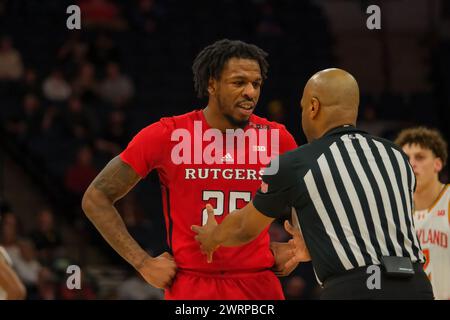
(353, 195)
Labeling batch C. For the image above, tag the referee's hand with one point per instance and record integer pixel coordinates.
(299, 251)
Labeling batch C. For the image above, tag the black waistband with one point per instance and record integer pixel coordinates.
(359, 272)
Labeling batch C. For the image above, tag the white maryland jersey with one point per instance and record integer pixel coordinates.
(433, 230)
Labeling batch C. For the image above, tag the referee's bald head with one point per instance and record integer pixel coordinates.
(330, 99)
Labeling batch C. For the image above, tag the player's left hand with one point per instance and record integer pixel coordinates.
(205, 234)
(282, 252)
(300, 252)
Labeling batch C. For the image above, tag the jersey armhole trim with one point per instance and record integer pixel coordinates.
(444, 189)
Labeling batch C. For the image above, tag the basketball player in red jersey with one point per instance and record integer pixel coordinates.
(198, 162)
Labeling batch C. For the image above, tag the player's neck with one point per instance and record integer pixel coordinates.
(425, 196)
(216, 120)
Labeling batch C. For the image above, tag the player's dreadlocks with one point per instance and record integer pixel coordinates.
(211, 61)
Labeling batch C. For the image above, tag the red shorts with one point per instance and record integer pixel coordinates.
(258, 285)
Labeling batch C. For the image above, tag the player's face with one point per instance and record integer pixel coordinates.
(425, 164)
(238, 89)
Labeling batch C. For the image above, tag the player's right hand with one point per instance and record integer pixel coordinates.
(159, 271)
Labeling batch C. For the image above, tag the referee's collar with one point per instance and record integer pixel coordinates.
(342, 129)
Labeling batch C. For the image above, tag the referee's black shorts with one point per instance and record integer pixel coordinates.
(353, 285)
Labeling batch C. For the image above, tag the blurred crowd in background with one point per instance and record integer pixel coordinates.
(71, 101)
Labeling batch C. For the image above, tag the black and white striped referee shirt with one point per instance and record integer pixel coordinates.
(353, 196)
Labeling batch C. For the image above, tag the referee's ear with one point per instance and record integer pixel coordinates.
(315, 107)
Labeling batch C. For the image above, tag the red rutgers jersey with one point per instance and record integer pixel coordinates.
(198, 165)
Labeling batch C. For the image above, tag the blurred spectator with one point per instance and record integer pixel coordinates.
(116, 88)
(275, 111)
(295, 288)
(11, 66)
(55, 87)
(46, 236)
(85, 85)
(145, 15)
(117, 130)
(4, 207)
(115, 136)
(27, 121)
(103, 51)
(86, 292)
(29, 83)
(10, 232)
(268, 25)
(81, 173)
(136, 288)
(78, 121)
(73, 52)
(46, 287)
(49, 118)
(101, 13)
(27, 264)
(3, 6)
(370, 123)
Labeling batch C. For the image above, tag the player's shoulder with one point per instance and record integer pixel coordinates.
(296, 156)
(169, 124)
(263, 123)
(386, 143)
(287, 141)
(447, 191)
(182, 120)
(288, 167)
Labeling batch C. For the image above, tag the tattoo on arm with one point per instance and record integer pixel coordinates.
(112, 183)
(116, 179)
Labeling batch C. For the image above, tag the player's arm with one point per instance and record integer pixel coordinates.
(238, 228)
(10, 282)
(113, 183)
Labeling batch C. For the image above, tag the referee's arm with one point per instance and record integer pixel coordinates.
(239, 227)
(243, 225)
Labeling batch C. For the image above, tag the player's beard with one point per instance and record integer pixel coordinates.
(233, 121)
(236, 123)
